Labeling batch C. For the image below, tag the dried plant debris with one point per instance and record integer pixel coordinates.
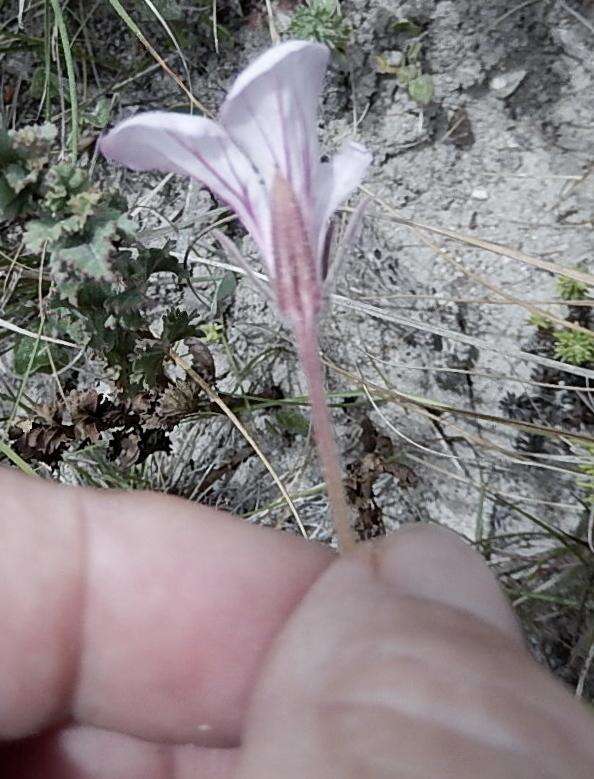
(460, 132)
(321, 20)
(378, 458)
(133, 428)
(176, 402)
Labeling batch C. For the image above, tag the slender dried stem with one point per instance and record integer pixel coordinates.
(307, 347)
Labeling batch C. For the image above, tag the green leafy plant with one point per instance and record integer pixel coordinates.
(321, 20)
(293, 421)
(540, 322)
(571, 289)
(81, 250)
(83, 241)
(574, 347)
(571, 346)
(408, 27)
(23, 156)
(409, 71)
(79, 228)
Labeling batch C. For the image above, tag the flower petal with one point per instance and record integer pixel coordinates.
(196, 147)
(338, 179)
(271, 114)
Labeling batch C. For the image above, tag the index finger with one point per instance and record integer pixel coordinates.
(137, 612)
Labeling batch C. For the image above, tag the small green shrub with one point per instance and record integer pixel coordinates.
(321, 20)
(540, 322)
(570, 289)
(574, 347)
(81, 255)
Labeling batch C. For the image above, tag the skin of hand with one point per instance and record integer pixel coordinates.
(144, 637)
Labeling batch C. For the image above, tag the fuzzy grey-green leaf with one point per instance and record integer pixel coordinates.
(421, 89)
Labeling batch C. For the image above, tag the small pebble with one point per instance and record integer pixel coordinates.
(479, 194)
(498, 83)
(506, 84)
(393, 58)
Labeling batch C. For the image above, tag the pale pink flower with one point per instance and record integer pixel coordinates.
(262, 159)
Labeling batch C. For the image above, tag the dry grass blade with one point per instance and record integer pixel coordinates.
(494, 248)
(388, 393)
(21, 331)
(215, 31)
(479, 279)
(386, 316)
(472, 301)
(213, 396)
(66, 48)
(155, 11)
(577, 15)
(507, 454)
(400, 434)
(125, 16)
(511, 12)
(518, 354)
(477, 374)
(569, 540)
(274, 36)
(579, 690)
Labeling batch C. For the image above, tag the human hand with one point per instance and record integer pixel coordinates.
(144, 636)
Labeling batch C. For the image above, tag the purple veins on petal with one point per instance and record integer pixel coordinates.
(196, 147)
(266, 100)
(262, 160)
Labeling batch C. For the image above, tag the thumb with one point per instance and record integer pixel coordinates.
(404, 660)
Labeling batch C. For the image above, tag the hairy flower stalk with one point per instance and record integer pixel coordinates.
(299, 298)
(262, 159)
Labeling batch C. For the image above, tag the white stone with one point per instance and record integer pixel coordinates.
(506, 84)
(497, 83)
(479, 194)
